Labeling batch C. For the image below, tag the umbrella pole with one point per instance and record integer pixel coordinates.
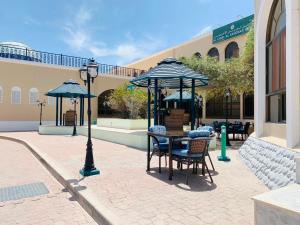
(155, 102)
(149, 124)
(56, 114)
(181, 86)
(193, 106)
(60, 110)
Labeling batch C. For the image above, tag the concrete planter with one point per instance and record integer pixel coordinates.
(128, 124)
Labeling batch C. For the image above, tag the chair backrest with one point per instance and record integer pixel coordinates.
(186, 118)
(247, 125)
(177, 112)
(206, 128)
(175, 121)
(159, 130)
(197, 146)
(198, 133)
(70, 117)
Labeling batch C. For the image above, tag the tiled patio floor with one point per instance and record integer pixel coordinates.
(138, 197)
(18, 167)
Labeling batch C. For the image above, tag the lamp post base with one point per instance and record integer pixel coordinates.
(87, 173)
(225, 159)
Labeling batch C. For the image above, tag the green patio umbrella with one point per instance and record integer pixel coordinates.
(173, 74)
(69, 89)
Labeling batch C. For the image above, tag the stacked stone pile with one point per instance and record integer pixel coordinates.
(273, 165)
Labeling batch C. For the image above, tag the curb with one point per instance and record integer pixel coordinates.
(85, 198)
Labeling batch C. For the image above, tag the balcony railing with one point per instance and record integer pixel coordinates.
(13, 52)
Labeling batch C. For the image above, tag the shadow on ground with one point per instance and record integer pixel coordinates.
(196, 182)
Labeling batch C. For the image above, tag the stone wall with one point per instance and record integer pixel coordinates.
(273, 165)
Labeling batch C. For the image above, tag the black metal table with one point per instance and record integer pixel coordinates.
(170, 135)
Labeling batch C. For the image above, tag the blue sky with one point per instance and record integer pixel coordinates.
(113, 31)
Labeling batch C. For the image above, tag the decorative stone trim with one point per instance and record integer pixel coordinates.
(274, 165)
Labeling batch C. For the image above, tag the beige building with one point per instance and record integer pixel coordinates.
(26, 75)
(224, 42)
(23, 82)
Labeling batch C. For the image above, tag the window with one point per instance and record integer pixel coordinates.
(232, 50)
(276, 64)
(16, 95)
(198, 55)
(248, 106)
(33, 96)
(216, 107)
(1, 94)
(214, 52)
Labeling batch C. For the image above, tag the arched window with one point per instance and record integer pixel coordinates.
(104, 107)
(1, 94)
(276, 64)
(214, 52)
(232, 50)
(16, 95)
(33, 96)
(198, 55)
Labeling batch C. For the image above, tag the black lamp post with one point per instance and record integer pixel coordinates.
(41, 104)
(199, 108)
(227, 95)
(74, 102)
(88, 73)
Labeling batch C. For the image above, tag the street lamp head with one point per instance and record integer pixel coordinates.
(227, 92)
(92, 68)
(83, 73)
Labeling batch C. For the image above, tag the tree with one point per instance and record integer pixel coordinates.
(130, 103)
(237, 74)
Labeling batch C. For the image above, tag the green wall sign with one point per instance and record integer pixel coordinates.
(234, 29)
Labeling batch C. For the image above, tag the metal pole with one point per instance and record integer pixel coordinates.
(60, 110)
(56, 114)
(149, 104)
(180, 92)
(149, 124)
(155, 101)
(159, 107)
(89, 168)
(75, 118)
(82, 111)
(193, 106)
(227, 135)
(41, 111)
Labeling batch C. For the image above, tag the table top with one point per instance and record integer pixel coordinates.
(178, 134)
(168, 134)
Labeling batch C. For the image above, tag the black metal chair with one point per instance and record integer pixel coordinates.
(160, 146)
(243, 131)
(193, 155)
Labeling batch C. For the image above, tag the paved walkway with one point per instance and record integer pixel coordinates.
(136, 197)
(18, 166)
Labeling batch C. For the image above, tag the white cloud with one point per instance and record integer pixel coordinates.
(79, 37)
(31, 21)
(204, 30)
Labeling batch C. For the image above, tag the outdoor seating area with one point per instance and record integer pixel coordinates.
(238, 130)
(187, 148)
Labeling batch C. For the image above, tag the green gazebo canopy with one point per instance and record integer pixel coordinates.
(69, 89)
(169, 73)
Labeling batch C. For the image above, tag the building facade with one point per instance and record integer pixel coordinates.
(26, 75)
(277, 71)
(224, 43)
